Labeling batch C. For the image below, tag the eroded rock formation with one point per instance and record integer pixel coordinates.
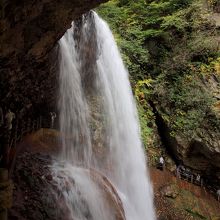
(37, 194)
(199, 151)
(29, 31)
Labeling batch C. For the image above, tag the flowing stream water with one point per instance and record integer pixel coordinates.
(102, 166)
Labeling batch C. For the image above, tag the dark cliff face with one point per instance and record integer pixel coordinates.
(200, 152)
(29, 31)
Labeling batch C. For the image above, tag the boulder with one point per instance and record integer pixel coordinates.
(170, 191)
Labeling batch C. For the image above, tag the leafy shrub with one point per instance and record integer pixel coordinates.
(169, 46)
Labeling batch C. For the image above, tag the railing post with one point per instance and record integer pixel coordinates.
(29, 126)
(33, 126)
(40, 126)
(5, 194)
(16, 133)
(6, 148)
(22, 128)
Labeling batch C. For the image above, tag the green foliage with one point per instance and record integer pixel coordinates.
(142, 90)
(169, 46)
(188, 103)
(145, 116)
(213, 66)
(131, 38)
(195, 214)
(214, 4)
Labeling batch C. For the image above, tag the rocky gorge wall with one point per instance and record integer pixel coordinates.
(29, 31)
(200, 150)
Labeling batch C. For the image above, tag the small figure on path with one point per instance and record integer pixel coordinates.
(178, 171)
(162, 163)
(188, 175)
(1, 117)
(198, 178)
(53, 116)
(9, 117)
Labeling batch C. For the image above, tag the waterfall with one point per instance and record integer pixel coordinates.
(102, 161)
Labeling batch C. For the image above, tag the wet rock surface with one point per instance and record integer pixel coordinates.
(33, 196)
(40, 188)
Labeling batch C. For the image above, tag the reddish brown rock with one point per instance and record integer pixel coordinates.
(36, 194)
(33, 196)
(176, 199)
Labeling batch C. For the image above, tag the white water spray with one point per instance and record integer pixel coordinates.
(122, 157)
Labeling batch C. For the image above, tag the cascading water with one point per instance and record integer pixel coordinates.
(72, 104)
(102, 156)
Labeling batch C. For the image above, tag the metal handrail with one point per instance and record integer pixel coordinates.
(190, 177)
